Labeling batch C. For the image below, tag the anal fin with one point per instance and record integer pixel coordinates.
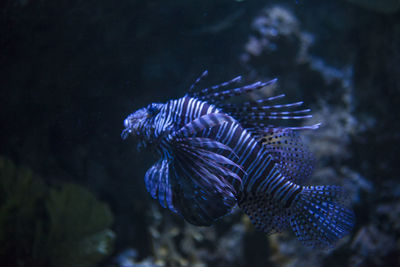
(266, 213)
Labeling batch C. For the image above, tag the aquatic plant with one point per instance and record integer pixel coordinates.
(50, 226)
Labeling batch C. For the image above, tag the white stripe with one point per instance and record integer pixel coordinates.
(267, 180)
(256, 162)
(200, 109)
(230, 133)
(275, 183)
(244, 142)
(257, 177)
(210, 109)
(290, 192)
(261, 168)
(284, 187)
(239, 142)
(248, 151)
(190, 108)
(196, 109)
(178, 112)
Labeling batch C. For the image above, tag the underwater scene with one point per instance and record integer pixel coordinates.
(199, 133)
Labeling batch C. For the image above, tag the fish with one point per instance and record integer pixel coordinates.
(216, 154)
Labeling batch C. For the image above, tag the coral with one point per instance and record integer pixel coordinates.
(47, 226)
(331, 144)
(177, 243)
(128, 258)
(277, 28)
(370, 246)
(376, 242)
(279, 39)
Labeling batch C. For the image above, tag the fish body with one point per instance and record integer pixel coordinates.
(214, 155)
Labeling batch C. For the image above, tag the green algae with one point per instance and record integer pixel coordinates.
(42, 225)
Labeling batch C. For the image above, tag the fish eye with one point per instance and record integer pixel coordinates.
(126, 123)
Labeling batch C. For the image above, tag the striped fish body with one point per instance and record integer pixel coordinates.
(260, 173)
(214, 156)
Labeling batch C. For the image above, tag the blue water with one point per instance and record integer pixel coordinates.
(71, 71)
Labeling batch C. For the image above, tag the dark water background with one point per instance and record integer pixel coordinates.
(70, 71)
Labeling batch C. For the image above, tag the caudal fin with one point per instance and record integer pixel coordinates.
(321, 218)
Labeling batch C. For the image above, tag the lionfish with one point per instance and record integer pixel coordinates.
(214, 155)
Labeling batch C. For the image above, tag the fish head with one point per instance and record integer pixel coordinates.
(140, 123)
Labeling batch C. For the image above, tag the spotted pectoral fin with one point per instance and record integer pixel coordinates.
(294, 159)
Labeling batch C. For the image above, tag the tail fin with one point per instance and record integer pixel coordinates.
(321, 217)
